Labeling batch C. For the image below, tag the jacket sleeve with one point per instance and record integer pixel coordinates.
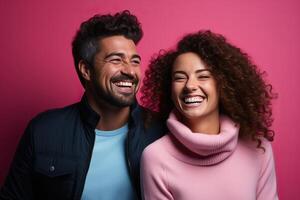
(18, 183)
(267, 187)
(154, 182)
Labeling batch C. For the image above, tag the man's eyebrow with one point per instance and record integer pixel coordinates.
(115, 54)
(122, 55)
(136, 56)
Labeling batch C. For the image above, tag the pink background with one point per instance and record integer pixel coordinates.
(38, 73)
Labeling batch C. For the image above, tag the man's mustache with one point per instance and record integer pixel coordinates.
(124, 77)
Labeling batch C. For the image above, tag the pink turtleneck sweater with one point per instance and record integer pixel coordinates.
(194, 166)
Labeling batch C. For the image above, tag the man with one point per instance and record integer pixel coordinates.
(91, 149)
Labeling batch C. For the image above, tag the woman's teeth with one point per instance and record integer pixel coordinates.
(197, 99)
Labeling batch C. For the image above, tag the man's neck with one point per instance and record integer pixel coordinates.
(111, 117)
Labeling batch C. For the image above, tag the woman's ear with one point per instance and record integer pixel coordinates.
(84, 70)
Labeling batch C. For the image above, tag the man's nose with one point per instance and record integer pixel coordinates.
(127, 68)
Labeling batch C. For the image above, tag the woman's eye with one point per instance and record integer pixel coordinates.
(203, 77)
(178, 78)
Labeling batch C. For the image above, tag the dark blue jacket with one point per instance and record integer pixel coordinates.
(53, 156)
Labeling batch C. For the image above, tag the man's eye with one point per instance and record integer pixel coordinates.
(136, 62)
(115, 60)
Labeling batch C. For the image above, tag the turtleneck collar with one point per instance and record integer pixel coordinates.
(201, 148)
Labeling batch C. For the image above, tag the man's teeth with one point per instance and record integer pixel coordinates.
(193, 99)
(123, 84)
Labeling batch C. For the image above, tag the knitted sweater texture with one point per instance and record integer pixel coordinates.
(194, 166)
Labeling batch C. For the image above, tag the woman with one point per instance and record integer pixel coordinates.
(218, 111)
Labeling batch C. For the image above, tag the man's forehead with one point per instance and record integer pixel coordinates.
(117, 45)
(121, 42)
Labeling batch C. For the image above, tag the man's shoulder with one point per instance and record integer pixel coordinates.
(55, 117)
(150, 118)
(153, 124)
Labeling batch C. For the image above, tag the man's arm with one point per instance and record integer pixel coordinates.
(18, 183)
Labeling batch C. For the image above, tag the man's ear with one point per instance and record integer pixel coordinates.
(84, 70)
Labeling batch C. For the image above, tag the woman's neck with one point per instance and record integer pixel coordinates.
(209, 124)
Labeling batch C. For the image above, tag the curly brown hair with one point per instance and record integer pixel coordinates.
(244, 94)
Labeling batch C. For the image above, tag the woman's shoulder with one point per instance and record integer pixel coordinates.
(262, 154)
(265, 145)
(157, 150)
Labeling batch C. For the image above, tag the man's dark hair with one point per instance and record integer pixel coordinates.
(85, 43)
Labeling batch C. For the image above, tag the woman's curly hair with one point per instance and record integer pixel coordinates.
(244, 94)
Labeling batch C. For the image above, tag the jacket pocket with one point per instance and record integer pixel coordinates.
(54, 177)
(53, 167)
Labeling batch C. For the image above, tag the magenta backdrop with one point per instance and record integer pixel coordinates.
(38, 73)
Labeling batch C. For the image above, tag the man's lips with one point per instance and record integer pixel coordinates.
(124, 83)
(126, 87)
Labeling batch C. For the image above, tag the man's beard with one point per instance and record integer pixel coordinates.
(111, 98)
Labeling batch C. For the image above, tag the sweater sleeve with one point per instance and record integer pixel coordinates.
(153, 177)
(267, 188)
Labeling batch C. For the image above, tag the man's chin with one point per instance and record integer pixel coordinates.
(122, 101)
(115, 99)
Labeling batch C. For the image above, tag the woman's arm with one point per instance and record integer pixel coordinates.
(267, 187)
(154, 184)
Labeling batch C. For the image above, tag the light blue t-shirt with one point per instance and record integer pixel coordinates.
(108, 177)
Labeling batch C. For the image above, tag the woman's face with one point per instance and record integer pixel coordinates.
(194, 89)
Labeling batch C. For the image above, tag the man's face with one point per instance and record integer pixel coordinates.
(116, 71)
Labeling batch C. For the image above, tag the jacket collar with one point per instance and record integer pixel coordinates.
(88, 115)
